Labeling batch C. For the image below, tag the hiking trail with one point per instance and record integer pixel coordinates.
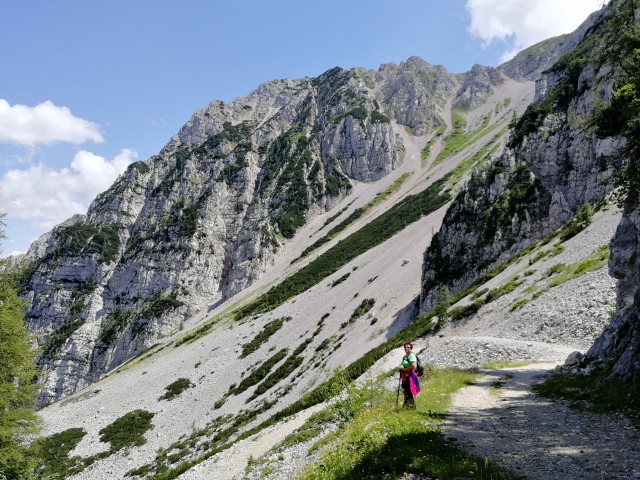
(499, 418)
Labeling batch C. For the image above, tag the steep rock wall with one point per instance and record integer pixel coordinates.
(415, 92)
(477, 85)
(618, 348)
(552, 166)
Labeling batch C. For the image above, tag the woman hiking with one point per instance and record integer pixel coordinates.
(408, 377)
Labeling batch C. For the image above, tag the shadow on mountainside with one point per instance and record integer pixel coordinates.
(501, 419)
(402, 318)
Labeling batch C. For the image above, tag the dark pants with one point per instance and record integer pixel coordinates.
(409, 401)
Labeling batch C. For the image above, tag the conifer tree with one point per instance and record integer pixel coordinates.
(17, 388)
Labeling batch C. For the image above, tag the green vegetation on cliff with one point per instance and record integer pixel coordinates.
(611, 41)
(484, 220)
(284, 180)
(59, 336)
(570, 66)
(621, 117)
(84, 239)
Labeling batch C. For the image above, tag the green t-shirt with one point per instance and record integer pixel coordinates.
(407, 360)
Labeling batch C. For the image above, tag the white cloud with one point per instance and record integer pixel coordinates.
(46, 197)
(522, 23)
(44, 124)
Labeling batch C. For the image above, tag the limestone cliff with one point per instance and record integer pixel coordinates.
(415, 92)
(618, 348)
(477, 84)
(552, 166)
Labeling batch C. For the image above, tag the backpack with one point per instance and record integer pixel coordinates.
(419, 367)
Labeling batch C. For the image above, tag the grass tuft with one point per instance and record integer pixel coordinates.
(52, 453)
(128, 430)
(267, 331)
(366, 305)
(176, 388)
(593, 392)
(357, 213)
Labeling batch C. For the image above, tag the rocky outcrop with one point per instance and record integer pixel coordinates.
(415, 92)
(477, 85)
(531, 63)
(552, 166)
(497, 214)
(618, 348)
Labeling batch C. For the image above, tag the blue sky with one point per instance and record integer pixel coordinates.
(88, 87)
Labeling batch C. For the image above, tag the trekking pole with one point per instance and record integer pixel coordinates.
(398, 394)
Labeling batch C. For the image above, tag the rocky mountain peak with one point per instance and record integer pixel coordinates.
(415, 92)
(477, 85)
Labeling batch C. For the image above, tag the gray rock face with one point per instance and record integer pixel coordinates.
(482, 227)
(531, 63)
(477, 85)
(574, 359)
(552, 167)
(619, 345)
(415, 92)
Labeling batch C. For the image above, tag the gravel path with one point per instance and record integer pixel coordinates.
(538, 438)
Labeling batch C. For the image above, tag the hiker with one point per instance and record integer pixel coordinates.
(408, 377)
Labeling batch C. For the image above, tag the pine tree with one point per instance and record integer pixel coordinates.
(17, 389)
